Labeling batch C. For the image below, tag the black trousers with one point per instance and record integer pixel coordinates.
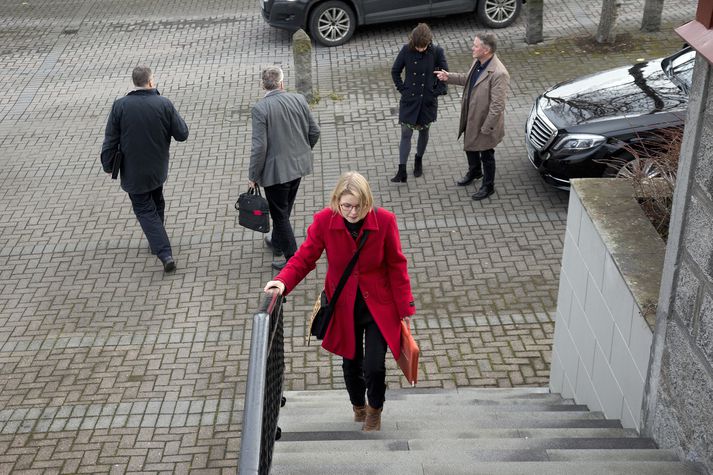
(487, 158)
(281, 198)
(366, 373)
(149, 210)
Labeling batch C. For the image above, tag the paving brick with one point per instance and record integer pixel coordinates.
(109, 366)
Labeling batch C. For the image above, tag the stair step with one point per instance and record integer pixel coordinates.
(459, 412)
(579, 432)
(431, 407)
(491, 468)
(463, 431)
(293, 424)
(435, 399)
(534, 443)
(501, 392)
(474, 446)
(496, 394)
(445, 434)
(470, 417)
(614, 455)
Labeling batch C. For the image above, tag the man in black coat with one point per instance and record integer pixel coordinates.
(141, 125)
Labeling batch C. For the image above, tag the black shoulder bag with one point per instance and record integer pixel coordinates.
(322, 311)
(440, 88)
(253, 210)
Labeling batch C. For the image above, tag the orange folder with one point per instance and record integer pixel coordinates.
(408, 361)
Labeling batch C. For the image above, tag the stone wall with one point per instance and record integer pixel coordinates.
(679, 395)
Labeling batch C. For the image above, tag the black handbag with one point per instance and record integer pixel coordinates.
(112, 163)
(253, 210)
(440, 88)
(322, 311)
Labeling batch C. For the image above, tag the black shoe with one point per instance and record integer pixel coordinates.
(278, 265)
(483, 193)
(169, 265)
(268, 243)
(400, 175)
(469, 177)
(418, 166)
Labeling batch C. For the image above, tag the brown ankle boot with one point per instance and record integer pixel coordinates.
(359, 413)
(372, 422)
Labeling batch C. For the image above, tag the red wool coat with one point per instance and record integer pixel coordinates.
(380, 273)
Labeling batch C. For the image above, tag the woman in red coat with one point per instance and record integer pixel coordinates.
(376, 296)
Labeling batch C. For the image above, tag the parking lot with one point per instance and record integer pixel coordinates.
(107, 364)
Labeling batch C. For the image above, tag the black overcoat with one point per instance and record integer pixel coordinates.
(419, 87)
(142, 123)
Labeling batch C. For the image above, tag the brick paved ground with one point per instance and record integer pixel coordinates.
(107, 365)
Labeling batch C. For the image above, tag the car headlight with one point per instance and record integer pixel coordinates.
(579, 142)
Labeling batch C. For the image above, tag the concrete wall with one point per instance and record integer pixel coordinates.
(679, 393)
(609, 281)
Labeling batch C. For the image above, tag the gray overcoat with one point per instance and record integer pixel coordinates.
(482, 116)
(284, 133)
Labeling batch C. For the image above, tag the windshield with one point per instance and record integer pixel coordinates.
(679, 68)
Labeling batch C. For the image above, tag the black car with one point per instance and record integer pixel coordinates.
(332, 22)
(578, 127)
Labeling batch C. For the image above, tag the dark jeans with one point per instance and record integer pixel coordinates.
(487, 158)
(280, 198)
(149, 210)
(366, 373)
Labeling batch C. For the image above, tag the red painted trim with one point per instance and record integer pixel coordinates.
(704, 14)
(698, 36)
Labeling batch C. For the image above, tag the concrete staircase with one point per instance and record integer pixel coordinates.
(462, 431)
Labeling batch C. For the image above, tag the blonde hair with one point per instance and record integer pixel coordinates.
(353, 183)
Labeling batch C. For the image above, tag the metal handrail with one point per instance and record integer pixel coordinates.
(263, 394)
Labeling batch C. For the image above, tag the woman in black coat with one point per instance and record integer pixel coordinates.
(419, 90)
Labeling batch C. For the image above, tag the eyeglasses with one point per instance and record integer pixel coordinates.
(347, 208)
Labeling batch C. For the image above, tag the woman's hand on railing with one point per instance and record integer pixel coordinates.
(275, 284)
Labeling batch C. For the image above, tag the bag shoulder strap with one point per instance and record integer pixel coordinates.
(348, 270)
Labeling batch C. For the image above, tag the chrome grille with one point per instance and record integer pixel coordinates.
(540, 132)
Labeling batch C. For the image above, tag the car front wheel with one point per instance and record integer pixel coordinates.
(332, 23)
(639, 169)
(498, 13)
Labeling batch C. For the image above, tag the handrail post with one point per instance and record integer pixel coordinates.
(264, 388)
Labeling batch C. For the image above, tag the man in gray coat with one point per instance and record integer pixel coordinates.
(284, 133)
(482, 117)
(141, 124)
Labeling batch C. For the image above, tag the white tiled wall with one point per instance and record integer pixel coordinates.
(602, 343)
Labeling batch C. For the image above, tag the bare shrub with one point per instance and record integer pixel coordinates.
(651, 167)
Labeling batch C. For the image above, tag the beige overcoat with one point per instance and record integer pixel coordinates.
(482, 116)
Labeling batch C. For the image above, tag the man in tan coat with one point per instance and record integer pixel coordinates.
(482, 117)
